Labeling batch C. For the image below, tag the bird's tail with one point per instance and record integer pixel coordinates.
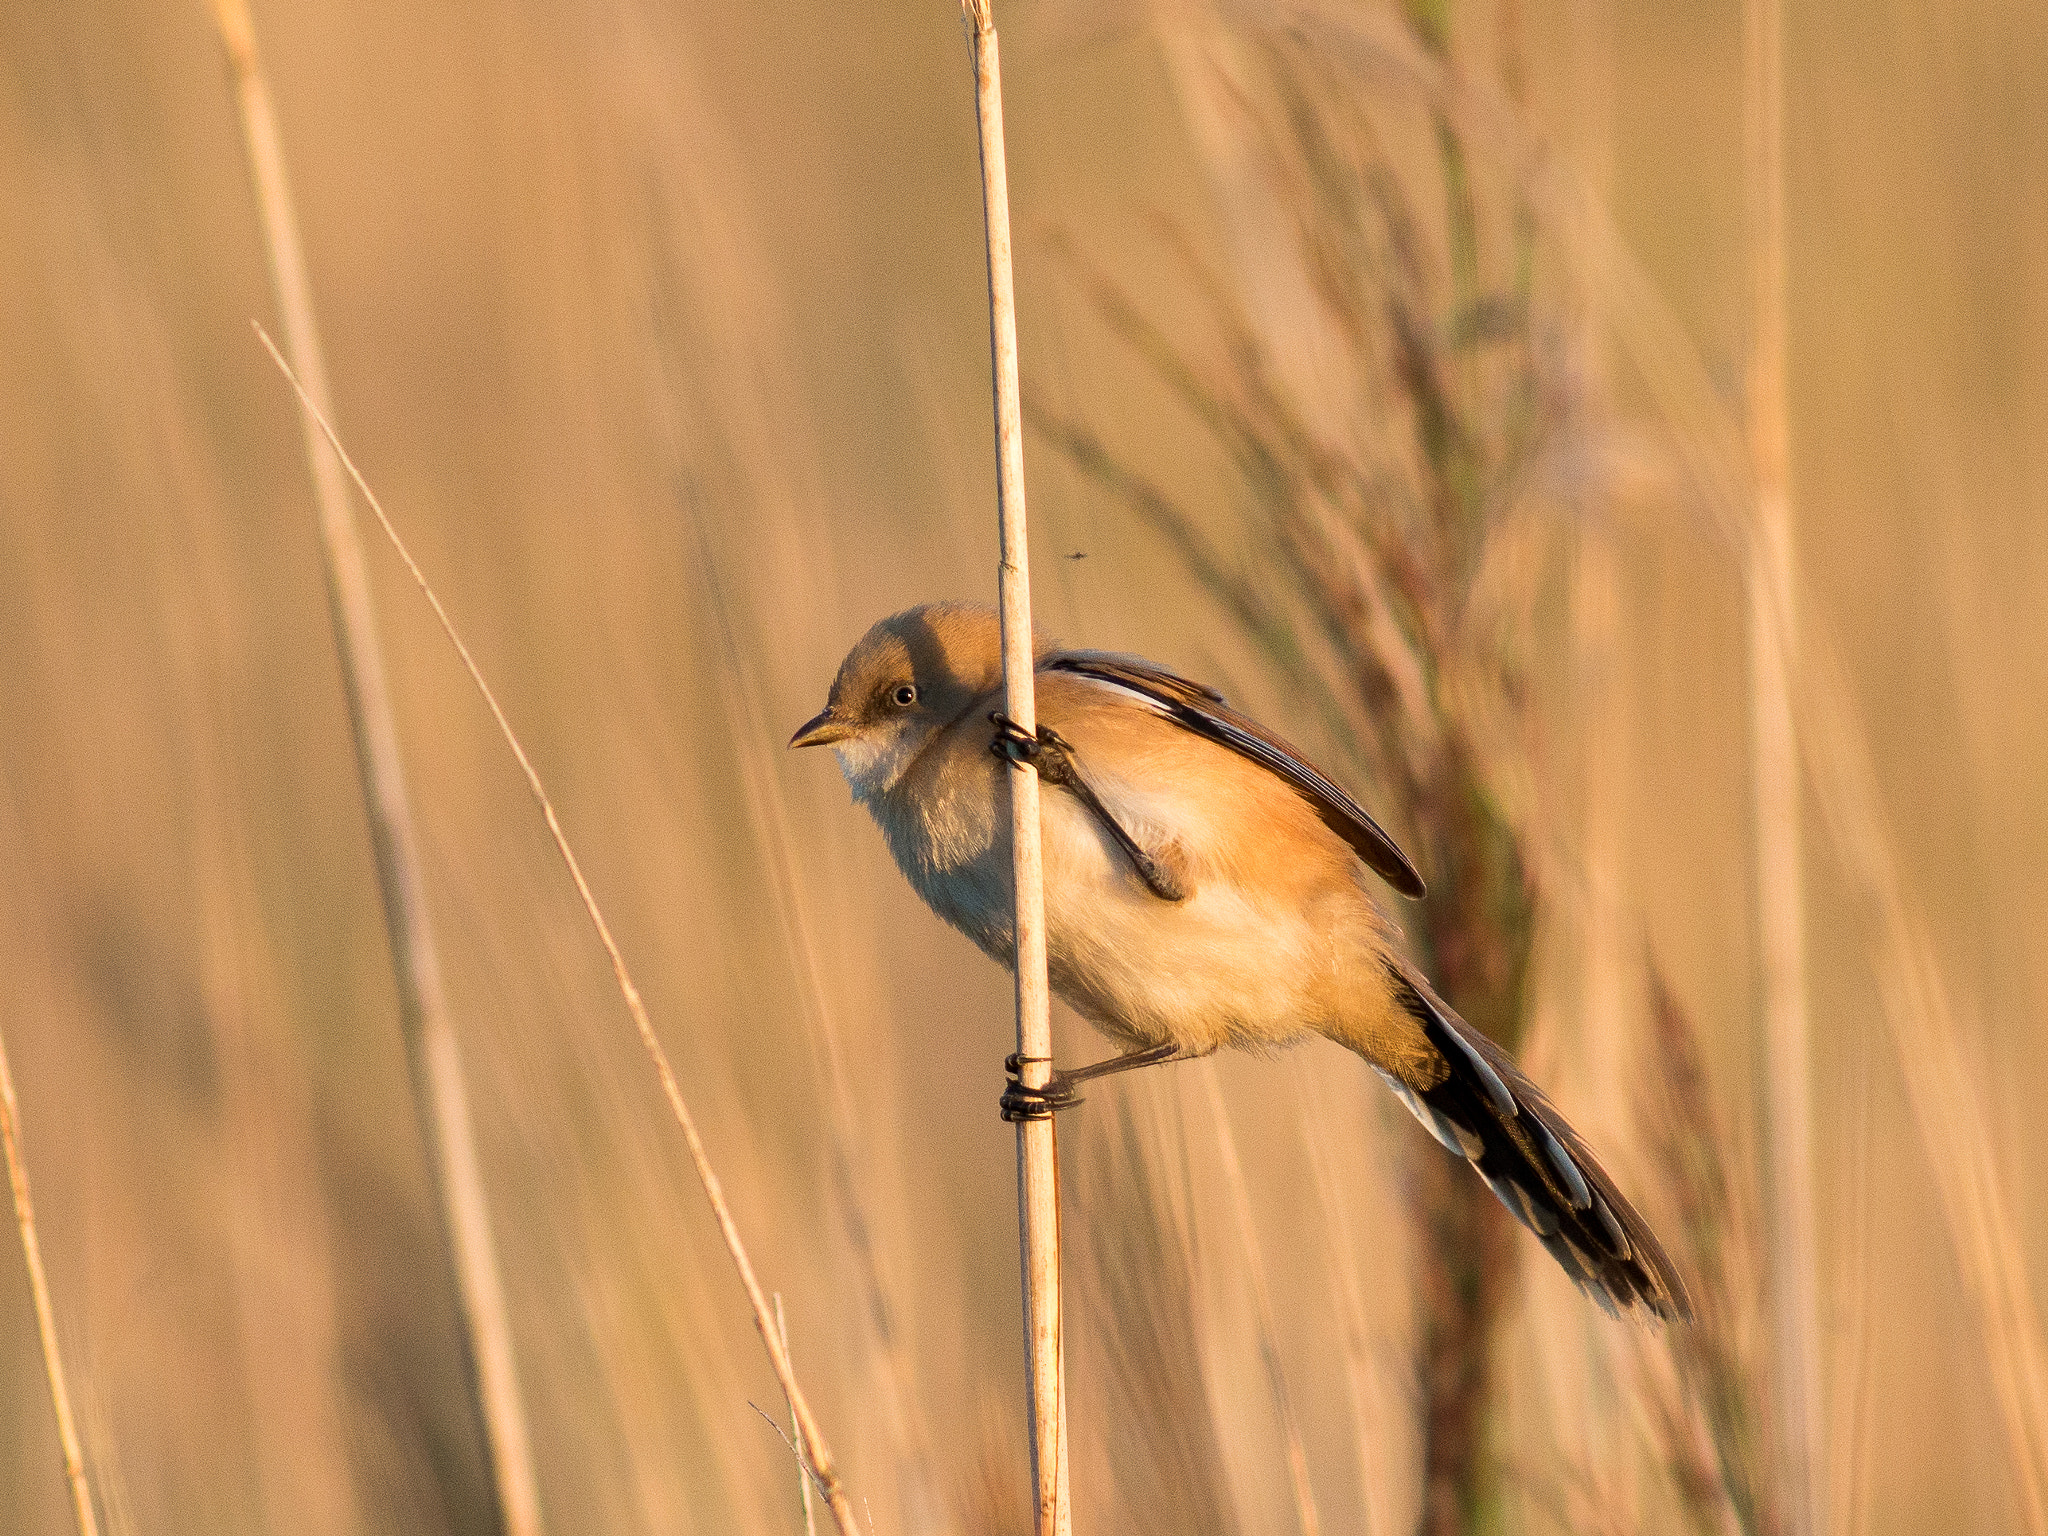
(1487, 1112)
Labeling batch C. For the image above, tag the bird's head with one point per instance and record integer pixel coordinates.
(910, 677)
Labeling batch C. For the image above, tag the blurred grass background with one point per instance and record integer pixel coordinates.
(640, 315)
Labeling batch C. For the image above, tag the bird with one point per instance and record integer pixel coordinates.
(1206, 886)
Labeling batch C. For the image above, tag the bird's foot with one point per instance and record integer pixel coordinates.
(1012, 740)
(1047, 751)
(1022, 1103)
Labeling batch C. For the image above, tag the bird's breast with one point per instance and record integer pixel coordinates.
(949, 833)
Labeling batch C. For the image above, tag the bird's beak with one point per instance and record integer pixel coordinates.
(822, 730)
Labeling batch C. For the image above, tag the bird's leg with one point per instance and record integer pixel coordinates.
(1022, 1103)
(1050, 754)
(1150, 1056)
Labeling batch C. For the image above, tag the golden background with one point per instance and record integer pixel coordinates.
(662, 333)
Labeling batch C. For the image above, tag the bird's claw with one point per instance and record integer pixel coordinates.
(1024, 1103)
(1047, 751)
(1013, 741)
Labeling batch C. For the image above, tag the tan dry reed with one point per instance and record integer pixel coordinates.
(1377, 1409)
(46, 1314)
(1775, 792)
(1037, 1155)
(796, 1432)
(811, 1445)
(440, 1097)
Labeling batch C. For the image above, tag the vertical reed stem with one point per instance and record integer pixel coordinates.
(440, 1099)
(1037, 1156)
(46, 1315)
(1775, 781)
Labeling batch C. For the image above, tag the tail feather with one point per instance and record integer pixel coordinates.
(1487, 1112)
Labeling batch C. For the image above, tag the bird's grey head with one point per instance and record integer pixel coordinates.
(910, 677)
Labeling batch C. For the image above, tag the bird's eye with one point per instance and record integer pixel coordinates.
(904, 696)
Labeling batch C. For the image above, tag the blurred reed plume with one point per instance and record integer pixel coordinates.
(1393, 557)
(1728, 1468)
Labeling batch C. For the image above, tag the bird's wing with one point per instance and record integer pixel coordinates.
(1202, 710)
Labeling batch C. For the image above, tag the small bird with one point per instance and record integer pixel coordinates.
(1205, 886)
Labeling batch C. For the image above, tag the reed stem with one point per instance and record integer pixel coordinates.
(46, 1314)
(1775, 784)
(1037, 1154)
(433, 1057)
(811, 1446)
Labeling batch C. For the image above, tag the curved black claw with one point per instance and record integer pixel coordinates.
(1047, 751)
(1021, 1103)
(1012, 740)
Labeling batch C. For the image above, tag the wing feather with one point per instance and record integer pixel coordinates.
(1203, 711)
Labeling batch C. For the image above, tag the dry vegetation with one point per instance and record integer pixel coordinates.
(1387, 366)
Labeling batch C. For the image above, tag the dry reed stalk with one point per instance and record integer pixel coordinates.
(46, 1315)
(433, 1056)
(1775, 786)
(1948, 1102)
(1037, 1154)
(796, 1434)
(1849, 1380)
(290, 1348)
(1601, 1036)
(1947, 1099)
(812, 1448)
(909, 1431)
(1590, 1410)
(1305, 1512)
